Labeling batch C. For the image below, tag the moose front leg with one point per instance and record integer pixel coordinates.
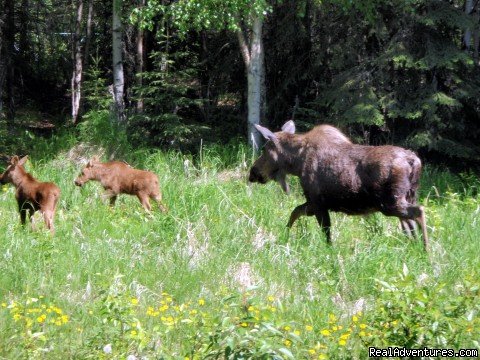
(300, 210)
(323, 219)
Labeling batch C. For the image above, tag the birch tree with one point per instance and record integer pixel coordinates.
(76, 82)
(243, 17)
(117, 56)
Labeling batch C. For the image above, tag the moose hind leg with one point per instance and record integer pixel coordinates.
(409, 227)
(323, 219)
(421, 220)
(410, 213)
(300, 210)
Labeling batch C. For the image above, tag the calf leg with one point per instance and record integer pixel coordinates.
(113, 198)
(300, 210)
(145, 200)
(48, 218)
(158, 200)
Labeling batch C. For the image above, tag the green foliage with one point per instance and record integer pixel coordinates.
(220, 276)
(421, 312)
(406, 80)
(171, 107)
(200, 14)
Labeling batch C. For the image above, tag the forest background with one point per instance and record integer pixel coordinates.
(399, 72)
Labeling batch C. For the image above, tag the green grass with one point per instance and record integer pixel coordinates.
(221, 237)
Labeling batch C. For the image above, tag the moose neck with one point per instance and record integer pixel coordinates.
(292, 149)
(20, 176)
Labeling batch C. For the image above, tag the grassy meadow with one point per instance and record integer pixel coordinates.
(220, 276)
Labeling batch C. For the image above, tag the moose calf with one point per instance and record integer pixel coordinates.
(340, 176)
(32, 195)
(118, 178)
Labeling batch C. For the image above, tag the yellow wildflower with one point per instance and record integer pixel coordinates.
(309, 327)
(325, 332)
(244, 324)
(271, 298)
(134, 301)
(41, 318)
(322, 357)
(355, 318)
(332, 318)
(201, 302)
(342, 342)
(311, 351)
(334, 328)
(363, 326)
(297, 332)
(133, 332)
(362, 333)
(4, 304)
(287, 328)
(287, 343)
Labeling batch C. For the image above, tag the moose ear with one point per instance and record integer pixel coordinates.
(267, 134)
(289, 127)
(23, 160)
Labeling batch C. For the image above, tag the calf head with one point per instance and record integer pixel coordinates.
(269, 166)
(88, 172)
(13, 170)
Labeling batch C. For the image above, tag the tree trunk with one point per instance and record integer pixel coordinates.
(467, 37)
(476, 34)
(86, 54)
(118, 75)
(253, 56)
(3, 65)
(9, 62)
(77, 65)
(140, 60)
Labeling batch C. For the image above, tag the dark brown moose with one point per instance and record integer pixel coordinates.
(119, 178)
(340, 176)
(32, 195)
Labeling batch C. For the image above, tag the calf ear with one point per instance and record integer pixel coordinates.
(267, 134)
(289, 127)
(14, 160)
(23, 160)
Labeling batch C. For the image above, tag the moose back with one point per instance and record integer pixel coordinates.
(337, 175)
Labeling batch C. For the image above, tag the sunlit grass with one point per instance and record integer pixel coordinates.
(221, 237)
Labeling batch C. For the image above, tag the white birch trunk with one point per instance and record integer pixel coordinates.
(76, 83)
(140, 61)
(467, 37)
(253, 56)
(117, 48)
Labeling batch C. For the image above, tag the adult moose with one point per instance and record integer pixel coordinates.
(31, 195)
(337, 175)
(117, 177)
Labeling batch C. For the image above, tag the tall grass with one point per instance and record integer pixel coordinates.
(221, 236)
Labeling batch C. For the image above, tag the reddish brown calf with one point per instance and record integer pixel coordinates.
(32, 195)
(118, 178)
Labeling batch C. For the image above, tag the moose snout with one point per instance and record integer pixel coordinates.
(78, 182)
